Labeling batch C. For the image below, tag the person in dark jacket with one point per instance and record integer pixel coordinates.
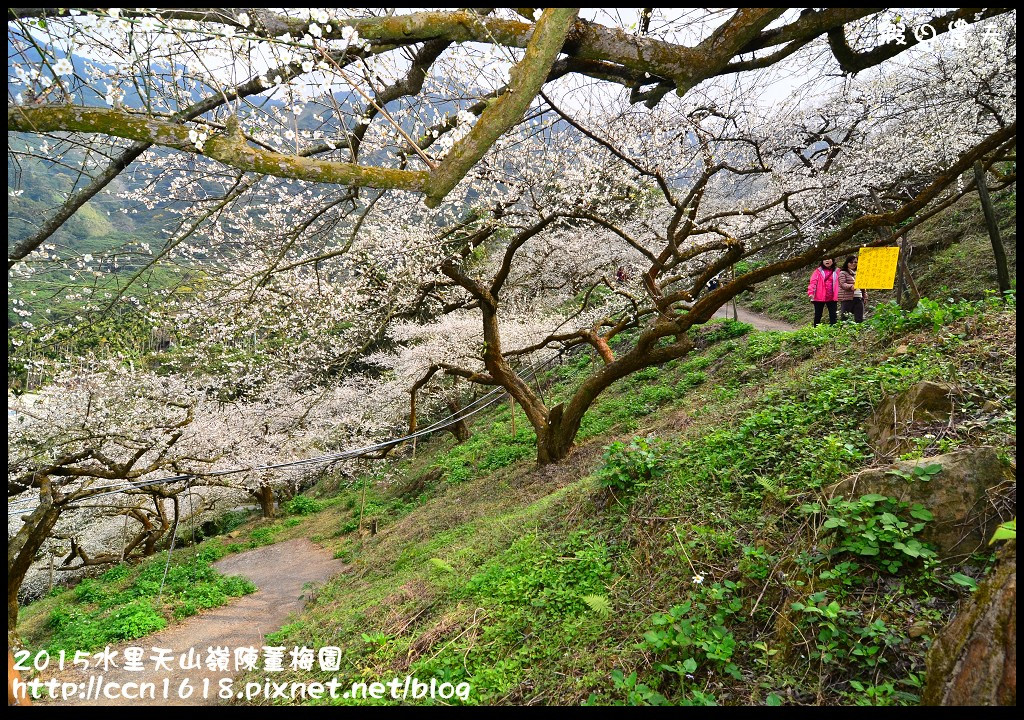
(851, 300)
(823, 290)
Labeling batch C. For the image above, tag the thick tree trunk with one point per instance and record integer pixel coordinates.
(265, 497)
(555, 441)
(22, 549)
(904, 280)
(149, 533)
(910, 294)
(460, 429)
(973, 660)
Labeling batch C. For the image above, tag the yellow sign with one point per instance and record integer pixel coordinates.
(876, 268)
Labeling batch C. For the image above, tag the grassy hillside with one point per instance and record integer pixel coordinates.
(685, 553)
(951, 258)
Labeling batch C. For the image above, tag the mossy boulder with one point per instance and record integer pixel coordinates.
(973, 660)
(965, 496)
(899, 417)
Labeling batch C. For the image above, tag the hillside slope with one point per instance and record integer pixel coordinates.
(687, 551)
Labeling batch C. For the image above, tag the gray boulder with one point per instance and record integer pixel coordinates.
(966, 497)
(900, 416)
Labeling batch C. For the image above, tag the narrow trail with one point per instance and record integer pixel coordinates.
(760, 322)
(281, 573)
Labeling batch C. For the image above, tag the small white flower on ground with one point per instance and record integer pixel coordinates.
(698, 579)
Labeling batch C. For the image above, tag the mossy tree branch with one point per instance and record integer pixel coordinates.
(526, 79)
(229, 147)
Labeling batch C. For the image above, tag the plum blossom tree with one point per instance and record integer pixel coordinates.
(83, 435)
(198, 80)
(690, 199)
(110, 461)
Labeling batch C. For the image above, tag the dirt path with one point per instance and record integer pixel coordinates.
(281, 572)
(760, 322)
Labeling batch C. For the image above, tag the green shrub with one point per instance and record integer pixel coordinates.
(690, 380)
(504, 455)
(763, 344)
(728, 329)
(628, 466)
(872, 527)
(89, 591)
(302, 505)
(694, 636)
(132, 621)
(118, 572)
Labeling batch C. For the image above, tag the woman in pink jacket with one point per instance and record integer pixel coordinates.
(823, 290)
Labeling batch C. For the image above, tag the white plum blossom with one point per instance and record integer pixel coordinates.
(198, 137)
(63, 67)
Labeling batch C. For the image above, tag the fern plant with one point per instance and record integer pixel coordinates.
(599, 604)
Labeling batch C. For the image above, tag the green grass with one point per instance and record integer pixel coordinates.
(126, 602)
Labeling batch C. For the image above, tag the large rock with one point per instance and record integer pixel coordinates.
(973, 661)
(963, 497)
(890, 427)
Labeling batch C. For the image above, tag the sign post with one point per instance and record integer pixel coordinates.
(876, 268)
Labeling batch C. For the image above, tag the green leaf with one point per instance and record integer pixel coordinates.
(773, 700)
(920, 512)
(599, 604)
(964, 580)
(873, 498)
(441, 565)
(690, 665)
(1006, 531)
